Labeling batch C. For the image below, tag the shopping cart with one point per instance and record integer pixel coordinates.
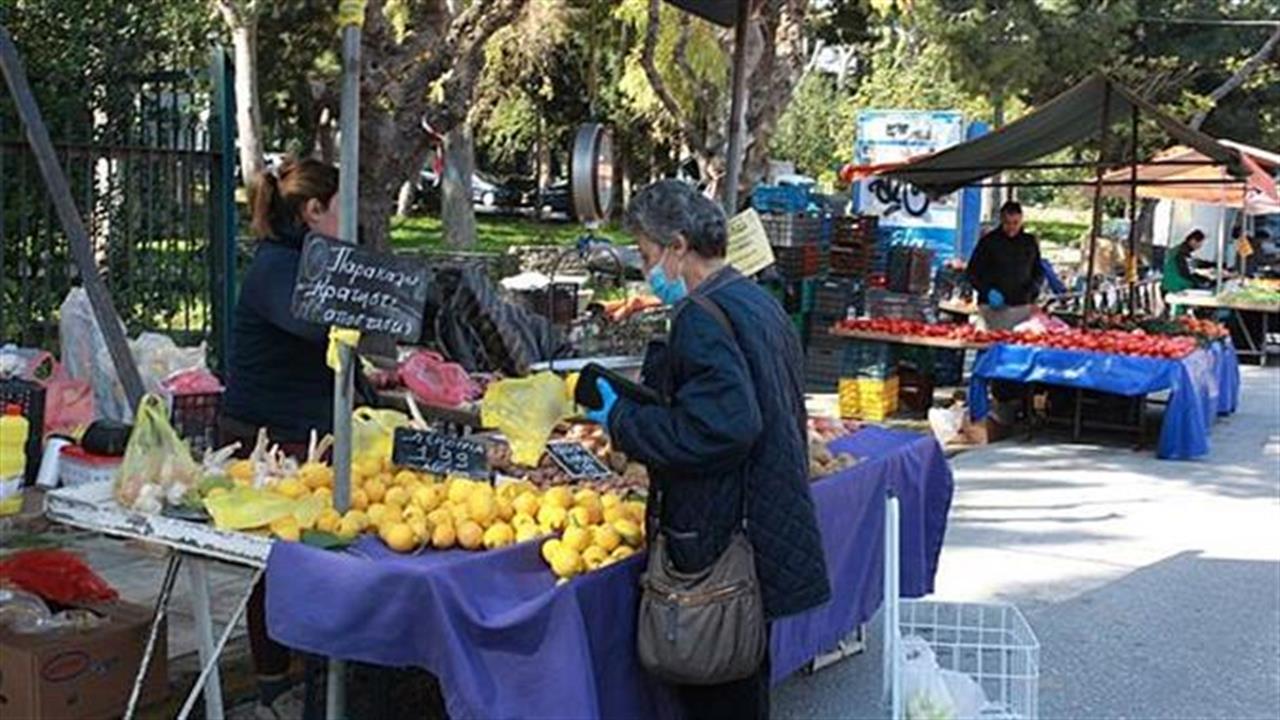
(991, 643)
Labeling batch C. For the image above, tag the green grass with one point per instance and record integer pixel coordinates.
(493, 233)
(1058, 233)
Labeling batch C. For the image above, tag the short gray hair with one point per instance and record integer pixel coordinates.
(668, 208)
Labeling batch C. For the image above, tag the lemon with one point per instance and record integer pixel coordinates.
(396, 496)
(585, 497)
(606, 538)
(399, 537)
(324, 495)
(629, 531)
(359, 500)
(527, 503)
(622, 552)
(392, 516)
(576, 537)
(241, 470)
(440, 516)
(347, 529)
(427, 497)
(614, 514)
(443, 537)
(291, 487)
(459, 490)
(527, 532)
(460, 513)
(375, 490)
(521, 519)
(506, 510)
(482, 508)
(550, 548)
(558, 496)
(610, 499)
(316, 475)
(470, 535)
(593, 557)
(421, 530)
(635, 510)
(328, 520)
(566, 562)
(286, 528)
(359, 518)
(509, 490)
(367, 467)
(579, 516)
(376, 512)
(405, 477)
(552, 517)
(500, 535)
(413, 512)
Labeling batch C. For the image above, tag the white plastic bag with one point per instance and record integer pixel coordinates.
(947, 423)
(923, 687)
(85, 355)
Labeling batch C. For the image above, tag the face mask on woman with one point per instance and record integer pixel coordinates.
(668, 291)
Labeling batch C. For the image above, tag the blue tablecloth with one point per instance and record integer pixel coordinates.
(1202, 385)
(507, 642)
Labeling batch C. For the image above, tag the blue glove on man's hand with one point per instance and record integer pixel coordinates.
(995, 298)
(608, 398)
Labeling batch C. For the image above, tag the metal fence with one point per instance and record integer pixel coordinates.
(147, 167)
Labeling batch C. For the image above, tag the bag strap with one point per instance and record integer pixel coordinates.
(716, 312)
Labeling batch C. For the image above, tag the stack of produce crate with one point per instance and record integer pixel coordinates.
(909, 268)
(903, 306)
(798, 244)
(868, 386)
(853, 246)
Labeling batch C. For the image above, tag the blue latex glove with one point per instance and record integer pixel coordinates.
(995, 298)
(609, 398)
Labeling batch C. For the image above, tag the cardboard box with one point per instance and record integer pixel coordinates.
(69, 675)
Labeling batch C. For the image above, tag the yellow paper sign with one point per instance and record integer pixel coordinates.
(749, 251)
(1243, 247)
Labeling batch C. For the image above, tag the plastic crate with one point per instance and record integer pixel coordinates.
(795, 230)
(832, 298)
(780, 198)
(869, 359)
(948, 367)
(30, 397)
(990, 642)
(905, 306)
(77, 467)
(867, 398)
(195, 418)
(799, 262)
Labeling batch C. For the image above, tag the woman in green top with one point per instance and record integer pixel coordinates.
(1177, 266)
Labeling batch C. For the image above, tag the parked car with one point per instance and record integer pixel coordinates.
(557, 199)
(487, 193)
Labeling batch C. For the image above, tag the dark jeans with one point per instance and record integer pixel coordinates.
(745, 699)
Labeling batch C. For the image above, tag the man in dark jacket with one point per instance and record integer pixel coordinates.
(733, 434)
(1005, 270)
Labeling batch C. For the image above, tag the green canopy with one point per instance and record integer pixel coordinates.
(1069, 118)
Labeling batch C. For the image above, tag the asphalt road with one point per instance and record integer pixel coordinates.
(1153, 586)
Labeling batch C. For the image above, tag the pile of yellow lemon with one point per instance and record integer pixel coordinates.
(411, 510)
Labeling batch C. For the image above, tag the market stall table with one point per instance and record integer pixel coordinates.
(942, 343)
(93, 507)
(1257, 343)
(1201, 385)
(506, 641)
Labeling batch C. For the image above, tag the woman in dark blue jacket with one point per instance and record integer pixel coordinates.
(278, 377)
(735, 424)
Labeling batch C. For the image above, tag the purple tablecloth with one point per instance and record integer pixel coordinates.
(507, 642)
(1202, 385)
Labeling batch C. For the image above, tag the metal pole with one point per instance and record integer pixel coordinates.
(351, 16)
(1131, 266)
(223, 139)
(1097, 201)
(737, 109)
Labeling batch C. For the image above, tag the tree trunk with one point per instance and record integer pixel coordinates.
(992, 199)
(244, 39)
(457, 213)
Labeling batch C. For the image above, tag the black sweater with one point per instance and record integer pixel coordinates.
(1010, 265)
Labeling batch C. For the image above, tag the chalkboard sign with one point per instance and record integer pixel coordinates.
(343, 285)
(577, 460)
(437, 453)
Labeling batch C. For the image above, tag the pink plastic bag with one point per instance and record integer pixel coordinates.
(68, 403)
(435, 381)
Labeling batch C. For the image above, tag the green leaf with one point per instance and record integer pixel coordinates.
(324, 540)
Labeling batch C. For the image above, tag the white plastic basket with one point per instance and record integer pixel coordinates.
(991, 643)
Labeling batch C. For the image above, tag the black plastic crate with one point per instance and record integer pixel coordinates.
(194, 417)
(869, 359)
(30, 397)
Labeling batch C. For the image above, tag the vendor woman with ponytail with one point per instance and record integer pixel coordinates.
(277, 375)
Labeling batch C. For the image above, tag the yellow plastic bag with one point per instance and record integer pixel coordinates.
(242, 508)
(157, 468)
(373, 432)
(526, 410)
